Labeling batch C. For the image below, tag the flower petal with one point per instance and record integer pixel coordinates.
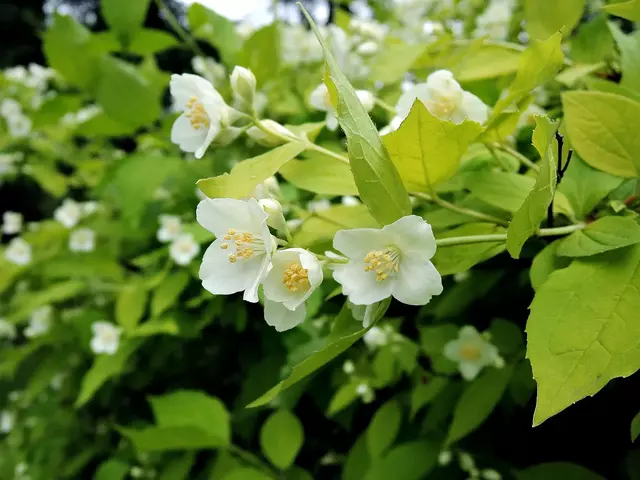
(221, 277)
(452, 350)
(474, 108)
(281, 318)
(218, 215)
(405, 102)
(274, 289)
(360, 286)
(212, 133)
(260, 267)
(413, 235)
(185, 136)
(356, 243)
(470, 370)
(416, 282)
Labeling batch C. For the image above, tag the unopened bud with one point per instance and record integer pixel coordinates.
(243, 84)
(444, 458)
(274, 210)
(348, 367)
(268, 139)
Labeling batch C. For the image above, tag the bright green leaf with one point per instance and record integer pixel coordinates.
(460, 258)
(155, 439)
(179, 468)
(499, 189)
(281, 438)
(408, 461)
(394, 60)
(131, 305)
(426, 150)
(125, 17)
(545, 17)
(149, 41)
(377, 179)
(582, 332)
(489, 61)
(384, 428)
(245, 176)
(343, 397)
(112, 470)
(261, 53)
(629, 46)
(606, 233)
(246, 473)
(424, 393)
(321, 174)
(216, 29)
(593, 42)
(534, 209)
(545, 263)
(602, 128)
(167, 293)
(629, 10)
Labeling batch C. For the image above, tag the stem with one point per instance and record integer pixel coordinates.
(551, 232)
(175, 24)
(515, 154)
(337, 156)
(502, 237)
(385, 106)
(252, 459)
(496, 157)
(465, 211)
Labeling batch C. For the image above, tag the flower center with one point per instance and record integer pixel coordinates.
(295, 277)
(469, 352)
(197, 114)
(246, 244)
(442, 106)
(382, 262)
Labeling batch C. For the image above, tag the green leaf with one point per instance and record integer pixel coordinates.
(607, 233)
(344, 397)
(149, 41)
(433, 338)
(156, 326)
(629, 46)
(507, 336)
(281, 438)
(217, 30)
(593, 42)
(126, 95)
(246, 175)
(409, 461)
(168, 292)
(112, 470)
(424, 393)
(557, 471)
(585, 187)
(179, 468)
(582, 331)
(131, 305)
(393, 61)
(384, 428)
(246, 473)
(478, 401)
(426, 150)
(104, 367)
(322, 226)
(321, 174)
(69, 50)
(629, 10)
(538, 64)
(488, 61)
(358, 460)
(125, 17)
(376, 177)
(534, 209)
(49, 178)
(156, 439)
(309, 365)
(635, 427)
(543, 18)
(545, 263)
(191, 408)
(460, 258)
(261, 53)
(504, 190)
(602, 128)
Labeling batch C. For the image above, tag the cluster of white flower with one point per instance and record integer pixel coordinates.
(321, 100)
(106, 338)
(69, 214)
(472, 352)
(11, 223)
(183, 246)
(83, 115)
(7, 421)
(495, 21)
(18, 123)
(18, 252)
(33, 76)
(8, 163)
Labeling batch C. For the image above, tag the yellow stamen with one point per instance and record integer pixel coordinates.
(197, 114)
(295, 277)
(383, 262)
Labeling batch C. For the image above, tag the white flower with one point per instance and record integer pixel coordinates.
(82, 240)
(69, 213)
(204, 111)
(294, 275)
(10, 108)
(348, 367)
(472, 352)
(274, 210)
(368, 48)
(365, 392)
(170, 228)
(208, 68)
(16, 74)
(57, 380)
(266, 139)
(19, 126)
(393, 261)
(7, 329)
(40, 322)
(267, 189)
(349, 201)
(243, 86)
(18, 252)
(445, 457)
(7, 161)
(321, 100)
(490, 474)
(11, 223)
(89, 208)
(495, 21)
(445, 99)
(106, 338)
(7, 421)
(184, 249)
(240, 256)
(375, 338)
(319, 205)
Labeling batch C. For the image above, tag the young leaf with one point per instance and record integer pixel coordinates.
(321, 174)
(602, 128)
(504, 190)
(384, 428)
(125, 17)
(629, 10)
(376, 177)
(168, 292)
(545, 263)
(245, 176)
(131, 305)
(582, 330)
(478, 401)
(534, 209)
(541, 23)
(426, 150)
(281, 438)
(606, 233)
(344, 397)
(158, 439)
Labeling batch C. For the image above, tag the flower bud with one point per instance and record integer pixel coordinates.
(266, 139)
(274, 210)
(243, 84)
(366, 99)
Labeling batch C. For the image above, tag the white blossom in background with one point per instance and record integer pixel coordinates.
(7, 329)
(19, 126)
(82, 240)
(445, 99)
(40, 322)
(375, 338)
(203, 113)
(106, 338)
(16, 74)
(69, 213)
(10, 108)
(495, 21)
(183, 249)
(89, 208)
(320, 100)
(365, 392)
(294, 275)
(18, 252)
(209, 69)
(57, 381)
(269, 140)
(270, 188)
(349, 201)
(348, 367)
(472, 352)
(7, 421)
(81, 116)
(11, 223)
(7, 163)
(392, 261)
(319, 205)
(490, 474)
(240, 256)
(170, 228)
(300, 46)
